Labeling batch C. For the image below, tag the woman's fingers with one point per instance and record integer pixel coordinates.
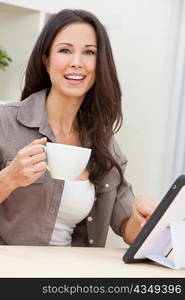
(144, 207)
(38, 141)
(140, 218)
(31, 173)
(40, 167)
(36, 159)
(30, 151)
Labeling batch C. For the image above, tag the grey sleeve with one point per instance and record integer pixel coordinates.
(124, 198)
(3, 132)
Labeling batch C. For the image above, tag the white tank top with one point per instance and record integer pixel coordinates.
(76, 203)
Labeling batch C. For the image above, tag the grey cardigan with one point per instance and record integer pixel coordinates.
(28, 215)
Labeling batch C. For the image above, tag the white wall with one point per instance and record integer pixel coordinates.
(143, 35)
(18, 34)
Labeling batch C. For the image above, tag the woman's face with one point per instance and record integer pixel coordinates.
(72, 60)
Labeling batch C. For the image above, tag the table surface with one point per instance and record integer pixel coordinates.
(50, 261)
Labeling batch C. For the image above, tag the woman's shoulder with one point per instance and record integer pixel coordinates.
(116, 150)
(14, 106)
(8, 108)
(8, 113)
(9, 104)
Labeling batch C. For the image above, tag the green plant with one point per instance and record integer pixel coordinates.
(4, 59)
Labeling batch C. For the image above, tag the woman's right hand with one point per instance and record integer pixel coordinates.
(29, 164)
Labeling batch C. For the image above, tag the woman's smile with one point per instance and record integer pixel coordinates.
(75, 78)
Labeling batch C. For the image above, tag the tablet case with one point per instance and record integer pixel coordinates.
(154, 237)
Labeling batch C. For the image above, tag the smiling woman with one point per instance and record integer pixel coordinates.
(79, 111)
(71, 96)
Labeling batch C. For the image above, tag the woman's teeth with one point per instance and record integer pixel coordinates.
(74, 77)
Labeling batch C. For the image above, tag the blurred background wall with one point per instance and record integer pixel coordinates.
(145, 40)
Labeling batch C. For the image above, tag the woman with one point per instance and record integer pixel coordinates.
(71, 96)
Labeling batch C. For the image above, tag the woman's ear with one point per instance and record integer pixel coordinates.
(45, 61)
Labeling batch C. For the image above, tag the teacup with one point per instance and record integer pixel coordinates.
(66, 162)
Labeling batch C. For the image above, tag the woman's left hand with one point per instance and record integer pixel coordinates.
(143, 207)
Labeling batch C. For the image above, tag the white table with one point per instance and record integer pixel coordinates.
(49, 261)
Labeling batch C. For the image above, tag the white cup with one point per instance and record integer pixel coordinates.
(66, 162)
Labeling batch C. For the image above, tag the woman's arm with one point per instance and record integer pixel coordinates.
(27, 166)
(143, 207)
(7, 186)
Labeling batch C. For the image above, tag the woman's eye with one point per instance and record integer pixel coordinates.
(91, 52)
(65, 50)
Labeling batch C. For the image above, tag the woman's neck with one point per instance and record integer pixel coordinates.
(62, 112)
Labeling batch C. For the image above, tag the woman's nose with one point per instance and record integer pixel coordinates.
(76, 60)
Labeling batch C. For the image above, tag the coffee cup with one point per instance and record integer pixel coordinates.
(66, 162)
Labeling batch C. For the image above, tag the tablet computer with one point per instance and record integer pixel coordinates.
(154, 237)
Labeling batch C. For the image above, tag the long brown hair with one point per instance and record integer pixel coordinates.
(100, 114)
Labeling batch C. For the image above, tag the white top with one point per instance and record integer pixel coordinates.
(76, 203)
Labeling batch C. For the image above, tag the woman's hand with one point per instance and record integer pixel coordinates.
(143, 207)
(28, 165)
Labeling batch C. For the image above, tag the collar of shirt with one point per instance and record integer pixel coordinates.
(33, 114)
